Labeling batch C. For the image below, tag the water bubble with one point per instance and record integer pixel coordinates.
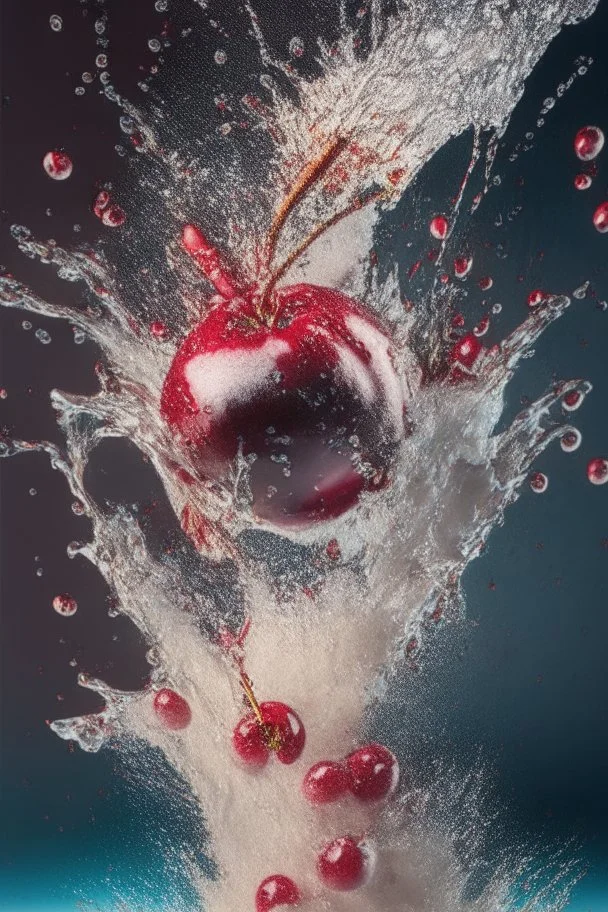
(597, 470)
(496, 308)
(462, 266)
(43, 336)
(539, 482)
(33, 492)
(77, 508)
(154, 45)
(87, 78)
(581, 292)
(57, 165)
(79, 90)
(26, 324)
(65, 605)
(79, 337)
(588, 142)
(160, 6)
(39, 572)
(600, 218)
(101, 61)
(571, 441)
(56, 23)
(104, 78)
(100, 26)
(127, 124)
(296, 47)
(220, 57)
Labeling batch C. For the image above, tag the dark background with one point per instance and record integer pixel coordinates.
(519, 682)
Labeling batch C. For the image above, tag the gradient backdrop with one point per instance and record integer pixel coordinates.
(519, 683)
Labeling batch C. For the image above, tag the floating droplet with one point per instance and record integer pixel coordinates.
(65, 605)
(220, 57)
(539, 482)
(101, 61)
(571, 441)
(597, 470)
(56, 23)
(462, 266)
(588, 143)
(572, 400)
(160, 6)
(43, 336)
(600, 218)
(113, 216)
(57, 165)
(439, 227)
(154, 45)
(296, 47)
(582, 181)
(535, 298)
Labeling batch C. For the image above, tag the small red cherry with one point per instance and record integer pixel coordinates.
(600, 218)
(486, 283)
(374, 772)
(276, 890)
(281, 732)
(597, 470)
(113, 216)
(326, 781)
(539, 482)
(466, 350)
(172, 710)
(588, 142)
(343, 864)
(439, 227)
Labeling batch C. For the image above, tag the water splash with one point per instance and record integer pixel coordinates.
(338, 149)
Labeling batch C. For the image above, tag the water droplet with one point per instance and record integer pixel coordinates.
(597, 470)
(101, 61)
(100, 26)
(154, 45)
(33, 492)
(127, 124)
(588, 142)
(43, 336)
(582, 181)
(57, 165)
(39, 572)
(79, 336)
(571, 440)
(79, 90)
(600, 218)
(26, 324)
(56, 23)
(539, 482)
(65, 605)
(581, 292)
(77, 508)
(296, 47)
(87, 78)
(220, 57)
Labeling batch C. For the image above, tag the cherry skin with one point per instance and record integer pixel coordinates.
(343, 864)
(172, 710)
(374, 772)
(326, 781)
(302, 385)
(276, 890)
(282, 732)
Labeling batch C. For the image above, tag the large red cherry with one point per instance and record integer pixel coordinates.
(344, 864)
(280, 731)
(326, 781)
(277, 890)
(301, 383)
(172, 710)
(374, 772)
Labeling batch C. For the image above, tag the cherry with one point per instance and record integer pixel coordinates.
(572, 400)
(439, 227)
(280, 731)
(597, 470)
(326, 781)
(276, 890)
(600, 218)
(172, 710)
(57, 165)
(302, 384)
(343, 864)
(588, 142)
(374, 772)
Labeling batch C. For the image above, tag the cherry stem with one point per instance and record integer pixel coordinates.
(271, 734)
(309, 175)
(208, 260)
(320, 229)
